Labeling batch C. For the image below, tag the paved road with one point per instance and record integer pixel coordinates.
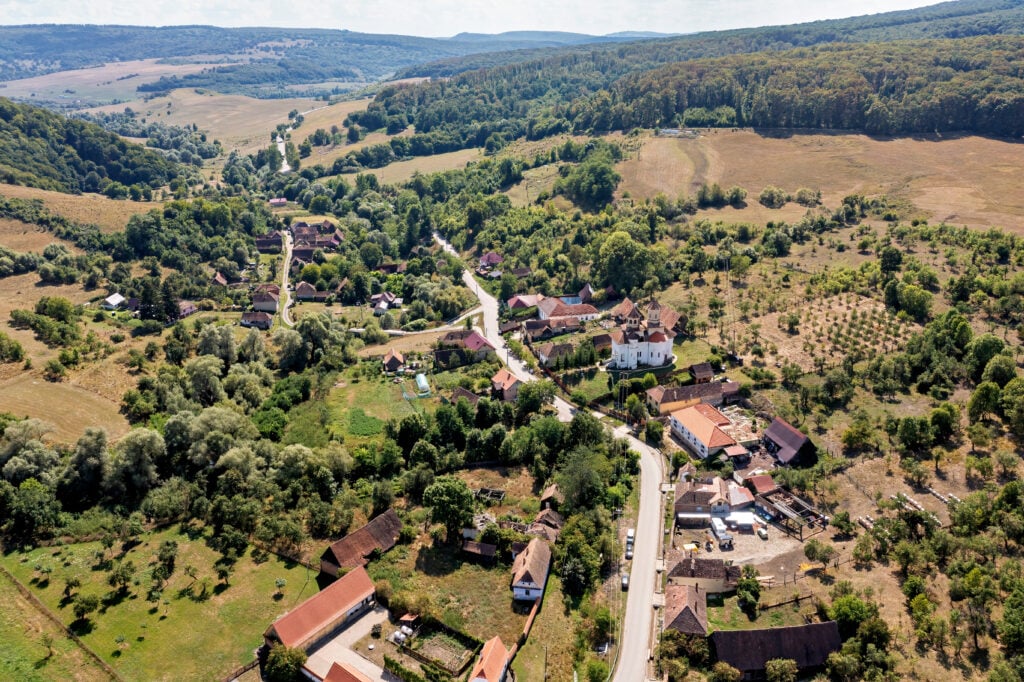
(640, 614)
(643, 580)
(285, 168)
(286, 294)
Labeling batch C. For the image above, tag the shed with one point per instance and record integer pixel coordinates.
(422, 385)
(788, 444)
(317, 617)
(380, 534)
(112, 302)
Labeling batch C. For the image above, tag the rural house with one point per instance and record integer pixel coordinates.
(699, 428)
(393, 360)
(269, 243)
(355, 549)
(701, 498)
(493, 663)
(788, 444)
(686, 610)
(662, 400)
(506, 385)
(550, 353)
(257, 319)
(523, 301)
(552, 497)
(304, 291)
(555, 308)
(530, 571)
(711, 576)
(339, 672)
(490, 259)
(750, 650)
(186, 308)
(265, 301)
(112, 302)
(702, 372)
(469, 340)
(329, 609)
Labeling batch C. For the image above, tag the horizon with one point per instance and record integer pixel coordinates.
(448, 18)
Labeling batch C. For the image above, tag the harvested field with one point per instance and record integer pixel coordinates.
(23, 291)
(114, 81)
(403, 170)
(19, 236)
(110, 215)
(413, 343)
(69, 408)
(239, 122)
(959, 179)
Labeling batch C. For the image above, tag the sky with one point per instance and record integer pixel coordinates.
(448, 17)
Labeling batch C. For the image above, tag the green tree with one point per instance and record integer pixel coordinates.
(624, 262)
(723, 672)
(984, 401)
(284, 664)
(451, 504)
(85, 604)
(781, 670)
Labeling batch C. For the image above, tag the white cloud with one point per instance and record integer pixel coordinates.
(447, 17)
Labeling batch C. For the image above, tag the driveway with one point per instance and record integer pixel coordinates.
(339, 649)
(286, 295)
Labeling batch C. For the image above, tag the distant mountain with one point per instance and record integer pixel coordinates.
(269, 61)
(639, 35)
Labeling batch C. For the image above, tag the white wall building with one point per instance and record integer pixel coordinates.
(640, 342)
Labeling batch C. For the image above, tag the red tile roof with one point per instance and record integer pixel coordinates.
(686, 610)
(341, 672)
(300, 626)
(492, 663)
(353, 549)
(705, 429)
(762, 483)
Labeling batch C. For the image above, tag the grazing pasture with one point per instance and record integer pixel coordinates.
(70, 409)
(964, 180)
(110, 214)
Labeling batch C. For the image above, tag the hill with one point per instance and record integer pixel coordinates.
(957, 19)
(265, 62)
(43, 149)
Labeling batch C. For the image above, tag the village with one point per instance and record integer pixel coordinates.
(724, 514)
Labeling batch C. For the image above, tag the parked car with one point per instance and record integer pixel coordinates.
(625, 581)
(629, 553)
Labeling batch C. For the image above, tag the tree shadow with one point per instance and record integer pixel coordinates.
(82, 626)
(219, 588)
(437, 560)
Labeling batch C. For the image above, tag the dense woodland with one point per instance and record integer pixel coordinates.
(42, 149)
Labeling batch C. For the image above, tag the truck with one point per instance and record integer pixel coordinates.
(721, 533)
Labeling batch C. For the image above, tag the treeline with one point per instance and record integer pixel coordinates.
(46, 150)
(182, 144)
(884, 88)
(944, 20)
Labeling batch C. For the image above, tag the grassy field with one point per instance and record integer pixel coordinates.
(109, 214)
(963, 180)
(549, 648)
(146, 641)
(239, 122)
(114, 81)
(403, 170)
(25, 657)
(70, 409)
(18, 236)
(463, 594)
(414, 343)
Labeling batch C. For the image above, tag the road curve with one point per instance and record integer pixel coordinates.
(286, 294)
(640, 615)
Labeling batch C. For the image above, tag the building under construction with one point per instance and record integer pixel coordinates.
(798, 517)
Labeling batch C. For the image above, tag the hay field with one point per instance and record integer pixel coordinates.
(404, 170)
(239, 122)
(962, 180)
(19, 236)
(114, 81)
(24, 291)
(69, 408)
(110, 215)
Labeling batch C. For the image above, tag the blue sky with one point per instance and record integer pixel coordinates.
(447, 17)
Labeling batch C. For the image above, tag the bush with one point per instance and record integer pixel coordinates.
(773, 197)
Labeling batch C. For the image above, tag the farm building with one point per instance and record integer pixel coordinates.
(699, 428)
(793, 514)
(750, 650)
(712, 576)
(664, 400)
(550, 353)
(493, 663)
(257, 319)
(269, 243)
(265, 301)
(339, 672)
(481, 551)
(702, 373)
(219, 280)
(186, 308)
(112, 302)
(460, 393)
(329, 609)
(530, 570)
(380, 534)
(490, 259)
(552, 497)
(788, 444)
(277, 202)
(686, 610)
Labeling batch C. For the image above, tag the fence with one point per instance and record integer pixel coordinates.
(238, 672)
(25, 592)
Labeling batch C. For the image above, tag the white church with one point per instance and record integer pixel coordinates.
(642, 342)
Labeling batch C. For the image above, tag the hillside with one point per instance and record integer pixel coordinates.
(265, 62)
(45, 150)
(956, 19)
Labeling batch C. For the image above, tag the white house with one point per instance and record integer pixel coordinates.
(530, 571)
(112, 302)
(699, 427)
(642, 343)
(493, 663)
